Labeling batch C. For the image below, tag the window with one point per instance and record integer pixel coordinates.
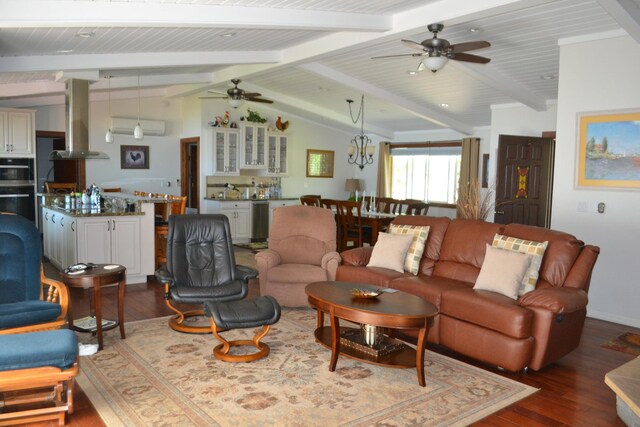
(426, 172)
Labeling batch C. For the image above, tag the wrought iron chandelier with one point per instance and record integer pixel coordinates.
(361, 149)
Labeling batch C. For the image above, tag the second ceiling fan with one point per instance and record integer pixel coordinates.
(438, 51)
(237, 96)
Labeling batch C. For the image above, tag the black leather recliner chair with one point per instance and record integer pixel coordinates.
(200, 267)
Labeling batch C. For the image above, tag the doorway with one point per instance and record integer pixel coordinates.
(190, 171)
(524, 180)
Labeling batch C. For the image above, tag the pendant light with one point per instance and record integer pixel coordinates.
(137, 132)
(108, 138)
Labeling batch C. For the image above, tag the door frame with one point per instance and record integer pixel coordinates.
(184, 168)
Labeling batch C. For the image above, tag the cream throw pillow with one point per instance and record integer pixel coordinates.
(390, 251)
(414, 254)
(529, 247)
(502, 271)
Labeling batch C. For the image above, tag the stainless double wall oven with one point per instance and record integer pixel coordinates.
(17, 187)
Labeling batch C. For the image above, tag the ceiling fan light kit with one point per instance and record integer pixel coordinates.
(435, 63)
(138, 134)
(236, 96)
(236, 102)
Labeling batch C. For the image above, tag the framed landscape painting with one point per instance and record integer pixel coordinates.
(609, 150)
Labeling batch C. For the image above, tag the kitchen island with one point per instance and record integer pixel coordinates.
(102, 235)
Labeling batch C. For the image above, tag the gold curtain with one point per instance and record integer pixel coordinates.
(385, 169)
(469, 163)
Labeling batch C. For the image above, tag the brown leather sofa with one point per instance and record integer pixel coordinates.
(532, 332)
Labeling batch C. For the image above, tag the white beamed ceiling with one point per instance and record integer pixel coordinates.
(306, 55)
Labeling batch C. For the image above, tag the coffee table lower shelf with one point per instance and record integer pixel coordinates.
(405, 357)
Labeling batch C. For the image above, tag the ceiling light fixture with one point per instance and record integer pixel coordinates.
(108, 138)
(228, 34)
(85, 34)
(412, 73)
(236, 102)
(64, 51)
(361, 146)
(548, 77)
(137, 132)
(435, 62)
(444, 105)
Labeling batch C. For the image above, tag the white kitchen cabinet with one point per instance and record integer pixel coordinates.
(17, 132)
(273, 204)
(225, 151)
(239, 214)
(59, 238)
(110, 240)
(277, 154)
(254, 141)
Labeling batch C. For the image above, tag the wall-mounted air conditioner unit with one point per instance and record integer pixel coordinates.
(123, 125)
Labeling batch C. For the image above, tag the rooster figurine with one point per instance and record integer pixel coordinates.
(282, 125)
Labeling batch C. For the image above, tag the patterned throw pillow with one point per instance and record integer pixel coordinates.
(535, 249)
(419, 233)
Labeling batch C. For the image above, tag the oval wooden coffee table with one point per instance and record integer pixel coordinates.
(398, 310)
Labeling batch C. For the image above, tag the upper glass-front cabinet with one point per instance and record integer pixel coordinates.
(225, 152)
(254, 141)
(277, 161)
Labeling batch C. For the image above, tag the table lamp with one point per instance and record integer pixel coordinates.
(352, 185)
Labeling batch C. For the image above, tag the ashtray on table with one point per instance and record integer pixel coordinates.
(365, 293)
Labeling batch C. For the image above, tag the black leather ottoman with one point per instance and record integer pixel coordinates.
(260, 312)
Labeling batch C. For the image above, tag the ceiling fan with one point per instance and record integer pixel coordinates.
(438, 51)
(237, 96)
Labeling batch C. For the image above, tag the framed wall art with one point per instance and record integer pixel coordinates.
(134, 157)
(609, 150)
(320, 163)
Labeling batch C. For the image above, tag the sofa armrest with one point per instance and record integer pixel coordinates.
(556, 300)
(57, 293)
(245, 273)
(358, 257)
(330, 262)
(267, 259)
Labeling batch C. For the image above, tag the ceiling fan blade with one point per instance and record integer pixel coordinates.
(213, 97)
(265, 101)
(413, 45)
(251, 94)
(467, 57)
(399, 56)
(215, 91)
(465, 47)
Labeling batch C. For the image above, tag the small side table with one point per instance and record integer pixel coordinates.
(97, 278)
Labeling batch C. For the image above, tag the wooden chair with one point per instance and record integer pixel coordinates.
(112, 190)
(384, 204)
(332, 205)
(417, 209)
(310, 200)
(59, 187)
(350, 219)
(177, 206)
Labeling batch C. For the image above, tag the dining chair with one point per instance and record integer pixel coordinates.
(112, 190)
(417, 209)
(59, 187)
(310, 200)
(383, 204)
(353, 229)
(176, 206)
(332, 205)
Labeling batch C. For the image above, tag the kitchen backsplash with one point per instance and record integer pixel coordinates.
(216, 184)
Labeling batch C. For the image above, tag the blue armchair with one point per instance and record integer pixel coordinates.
(29, 301)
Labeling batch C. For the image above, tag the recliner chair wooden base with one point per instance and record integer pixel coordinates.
(177, 322)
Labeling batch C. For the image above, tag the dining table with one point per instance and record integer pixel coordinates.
(378, 221)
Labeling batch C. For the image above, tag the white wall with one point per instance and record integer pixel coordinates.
(164, 151)
(612, 84)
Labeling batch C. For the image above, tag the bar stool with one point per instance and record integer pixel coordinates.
(176, 206)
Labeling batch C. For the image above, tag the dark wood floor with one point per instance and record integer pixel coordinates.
(572, 391)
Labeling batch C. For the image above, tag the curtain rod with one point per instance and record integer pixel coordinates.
(427, 144)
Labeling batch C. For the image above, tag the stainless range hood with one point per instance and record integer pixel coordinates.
(76, 104)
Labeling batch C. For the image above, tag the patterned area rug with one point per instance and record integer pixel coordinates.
(627, 343)
(253, 246)
(159, 377)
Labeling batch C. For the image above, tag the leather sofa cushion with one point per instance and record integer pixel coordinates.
(463, 249)
(372, 275)
(429, 288)
(488, 309)
(559, 257)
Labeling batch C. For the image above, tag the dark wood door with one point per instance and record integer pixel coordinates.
(524, 180)
(190, 170)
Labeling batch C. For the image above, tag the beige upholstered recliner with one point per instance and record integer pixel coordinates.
(302, 250)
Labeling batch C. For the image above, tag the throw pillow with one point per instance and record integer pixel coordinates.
(390, 251)
(535, 249)
(414, 254)
(502, 271)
